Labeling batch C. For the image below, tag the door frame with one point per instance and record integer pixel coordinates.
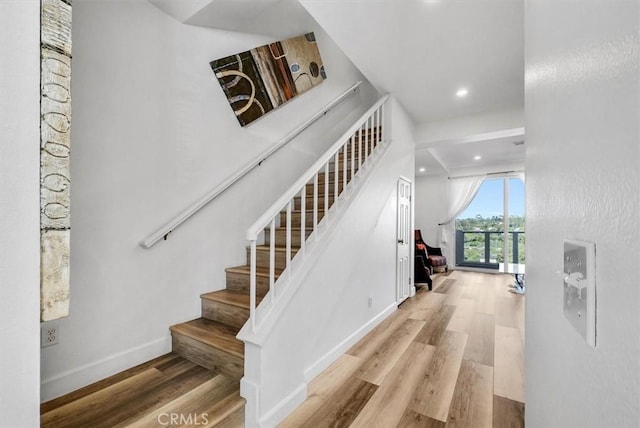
(397, 287)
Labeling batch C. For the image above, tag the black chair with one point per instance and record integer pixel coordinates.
(422, 269)
(436, 260)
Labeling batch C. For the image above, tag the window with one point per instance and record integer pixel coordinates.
(482, 239)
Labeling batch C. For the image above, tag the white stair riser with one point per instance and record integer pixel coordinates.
(240, 282)
(207, 356)
(262, 258)
(281, 237)
(224, 313)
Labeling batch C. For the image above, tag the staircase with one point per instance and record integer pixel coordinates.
(210, 341)
(198, 384)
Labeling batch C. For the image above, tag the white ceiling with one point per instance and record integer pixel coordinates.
(230, 14)
(498, 152)
(421, 51)
(234, 15)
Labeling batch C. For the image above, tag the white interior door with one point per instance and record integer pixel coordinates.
(404, 265)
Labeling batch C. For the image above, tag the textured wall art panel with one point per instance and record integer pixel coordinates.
(240, 79)
(304, 62)
(55, 145)
(261, 79)
(55, 273)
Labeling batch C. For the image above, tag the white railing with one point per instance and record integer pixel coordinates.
(172, 224)
(343, 160)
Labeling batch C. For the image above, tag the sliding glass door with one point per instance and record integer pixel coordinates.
(484, 238)
(515, 237)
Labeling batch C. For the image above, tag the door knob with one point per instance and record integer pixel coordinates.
(400, 241)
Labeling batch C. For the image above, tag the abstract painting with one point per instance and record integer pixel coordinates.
(261, 79)
(55, 139)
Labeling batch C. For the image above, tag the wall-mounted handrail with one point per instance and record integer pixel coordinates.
(171, 225)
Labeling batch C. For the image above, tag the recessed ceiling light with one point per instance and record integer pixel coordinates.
(477, 157)
(462, 92)
(422, 169)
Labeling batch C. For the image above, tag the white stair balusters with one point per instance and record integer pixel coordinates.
(362, 140)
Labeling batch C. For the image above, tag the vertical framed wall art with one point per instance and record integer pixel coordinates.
(261, 79)
(55, 145)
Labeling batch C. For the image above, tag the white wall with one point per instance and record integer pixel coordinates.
(152, 133)
(19, 213)
(430, 207)
(583, 158)
(331, 304)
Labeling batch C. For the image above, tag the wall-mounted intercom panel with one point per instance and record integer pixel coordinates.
(579, 284)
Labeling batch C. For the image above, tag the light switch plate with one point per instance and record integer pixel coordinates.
(579, 284)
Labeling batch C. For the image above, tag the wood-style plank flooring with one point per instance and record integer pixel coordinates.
(451, 357)
(150, 395)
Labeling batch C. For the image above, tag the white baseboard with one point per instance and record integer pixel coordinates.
(250, 391)
(327, 359)
(71, 380)
(281, 410)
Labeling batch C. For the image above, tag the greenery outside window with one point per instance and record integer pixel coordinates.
(483, 237)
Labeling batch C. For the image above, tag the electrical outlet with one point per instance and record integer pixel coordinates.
(49, 333)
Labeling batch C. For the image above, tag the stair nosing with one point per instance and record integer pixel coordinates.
(207, 296)
(297, 229)
(245, 269)
(187, 333)
(278, 248)
(210, 296)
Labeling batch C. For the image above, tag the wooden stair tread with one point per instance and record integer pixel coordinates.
(230, 297)
(332, 177)
(212, 333)
(356, 167)
(307, 210)
(245, 269)
(278, 248)
(332, 180)
(297, 229)
(309, 199)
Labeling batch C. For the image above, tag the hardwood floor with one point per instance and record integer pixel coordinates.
(167, 391)
(451, 357)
